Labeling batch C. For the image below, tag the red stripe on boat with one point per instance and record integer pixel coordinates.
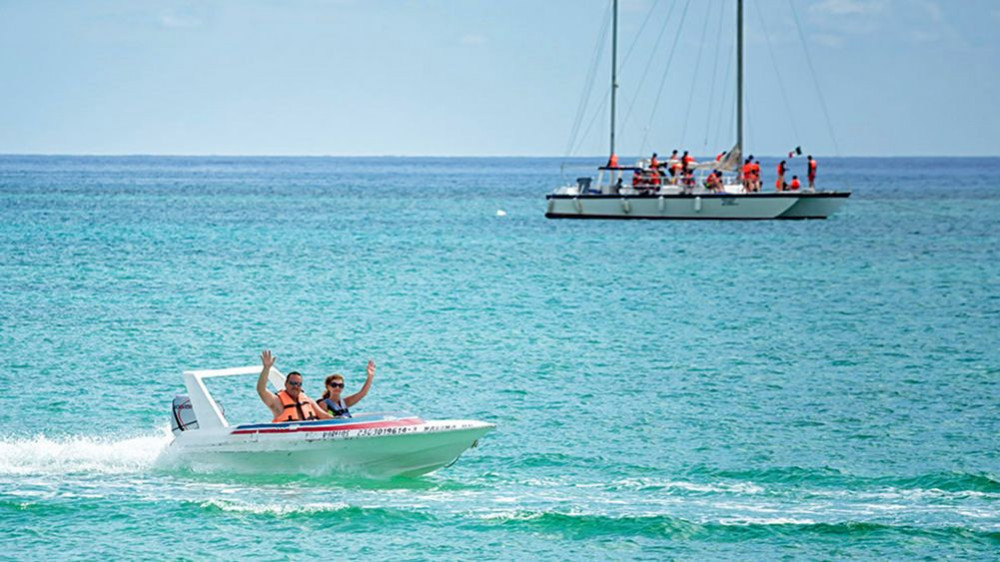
(338, 427)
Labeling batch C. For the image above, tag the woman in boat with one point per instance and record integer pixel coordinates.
(337, 406)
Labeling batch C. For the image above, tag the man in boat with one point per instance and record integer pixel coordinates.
(812, 173)
(290, 404)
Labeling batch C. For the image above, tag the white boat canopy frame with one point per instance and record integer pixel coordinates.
(206, 409)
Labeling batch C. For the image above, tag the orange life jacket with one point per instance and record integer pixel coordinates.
(781, 170)
(294, 410)
(812, 167)
(795, 184)
(654, 163)
(613, 161)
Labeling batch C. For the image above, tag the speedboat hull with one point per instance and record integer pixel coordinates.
(371, 445)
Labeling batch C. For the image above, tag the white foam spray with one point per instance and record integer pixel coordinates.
(80, 454)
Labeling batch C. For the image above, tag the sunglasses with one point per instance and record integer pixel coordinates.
(291, 383)
(336, 385)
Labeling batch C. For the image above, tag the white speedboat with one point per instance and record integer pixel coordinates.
(377, 444)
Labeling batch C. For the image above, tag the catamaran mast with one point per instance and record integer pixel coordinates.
(614, 71)
(739, 78)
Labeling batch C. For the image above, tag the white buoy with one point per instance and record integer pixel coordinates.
(501, 213)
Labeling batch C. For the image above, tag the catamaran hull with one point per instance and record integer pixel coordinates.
(706, 206)
(818, 205)
(403, 449)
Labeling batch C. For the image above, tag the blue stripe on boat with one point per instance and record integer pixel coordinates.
(360, 418)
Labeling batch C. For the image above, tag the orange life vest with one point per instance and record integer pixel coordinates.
(781, 170)
(654, 163)
(613, 161)
(795, 184)
(294, 410)
(812, 167)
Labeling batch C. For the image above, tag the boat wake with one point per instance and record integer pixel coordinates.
(41, 454)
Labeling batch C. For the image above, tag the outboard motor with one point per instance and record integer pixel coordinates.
(183, 418)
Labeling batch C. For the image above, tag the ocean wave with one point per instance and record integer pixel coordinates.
(580, 525)
(80, 454)
(657, 484)
(340, 512)
(948, 481)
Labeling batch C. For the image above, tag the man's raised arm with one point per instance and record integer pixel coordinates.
(266, 396)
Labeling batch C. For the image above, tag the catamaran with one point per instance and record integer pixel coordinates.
(377, 444)
(610, 197)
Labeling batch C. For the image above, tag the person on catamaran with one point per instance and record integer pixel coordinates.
(290, 404)
(674, 165)
(779, 183)
(713, 182)
(746, 173)
(653, 162)
(812, 173)
(757, 182)
(332, 401)
(796, 184)
(688, 180)
(688, 161)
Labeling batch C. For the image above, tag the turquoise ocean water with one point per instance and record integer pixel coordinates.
(753, 390)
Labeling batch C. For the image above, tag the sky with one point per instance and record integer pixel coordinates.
(496, 78)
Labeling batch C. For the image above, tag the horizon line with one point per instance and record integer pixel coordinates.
(590, 157)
